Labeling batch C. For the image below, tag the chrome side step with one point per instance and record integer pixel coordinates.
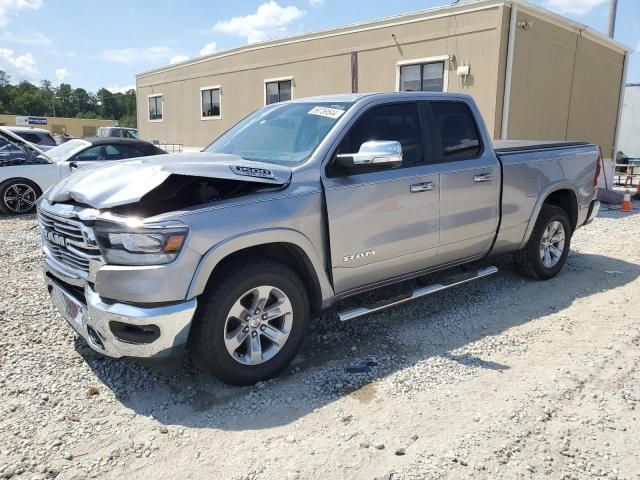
(418, 293)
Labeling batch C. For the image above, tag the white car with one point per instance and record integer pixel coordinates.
(26, 170)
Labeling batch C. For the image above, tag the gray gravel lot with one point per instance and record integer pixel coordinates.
(503, 378)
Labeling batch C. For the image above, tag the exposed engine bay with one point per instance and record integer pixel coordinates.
(183, 191)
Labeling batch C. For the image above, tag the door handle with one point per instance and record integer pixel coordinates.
(422, 187)
(483, 177)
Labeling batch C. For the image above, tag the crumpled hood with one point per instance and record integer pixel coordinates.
(126, 182)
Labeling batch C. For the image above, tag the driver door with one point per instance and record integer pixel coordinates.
(383, 223)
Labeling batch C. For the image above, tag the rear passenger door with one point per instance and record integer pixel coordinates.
(469, 183)
(383, 223)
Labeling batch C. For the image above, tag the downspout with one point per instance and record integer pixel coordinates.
(504, 129)
(616, 137)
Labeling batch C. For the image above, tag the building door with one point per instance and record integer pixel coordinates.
(383, 223)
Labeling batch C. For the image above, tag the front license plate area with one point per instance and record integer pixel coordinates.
(70, 308)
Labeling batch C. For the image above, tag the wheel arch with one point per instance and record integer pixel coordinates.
(288, 246)
(22, 179)
(562, 195)
(4, 183)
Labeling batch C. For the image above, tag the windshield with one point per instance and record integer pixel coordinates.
(284, 134)
(67, 150)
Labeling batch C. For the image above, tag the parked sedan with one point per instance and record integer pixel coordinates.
(36, 136)
(26, 171)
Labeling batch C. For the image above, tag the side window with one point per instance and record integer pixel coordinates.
(92, 154)
(399, 122)
(125, 151)
(457, 129)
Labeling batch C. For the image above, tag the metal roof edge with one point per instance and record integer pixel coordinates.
(426, 14)
(430, 13)
(567, 23)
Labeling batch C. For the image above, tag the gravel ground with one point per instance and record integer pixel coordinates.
(502, 378)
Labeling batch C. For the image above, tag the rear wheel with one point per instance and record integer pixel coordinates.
(250, 323)
(18, 196)
(548, 247)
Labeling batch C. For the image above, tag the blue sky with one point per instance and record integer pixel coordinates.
(92, 44)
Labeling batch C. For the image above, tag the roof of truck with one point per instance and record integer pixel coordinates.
(354, 97)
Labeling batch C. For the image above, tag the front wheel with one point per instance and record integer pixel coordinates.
(548, 247)
(250, 322)
(18, 196)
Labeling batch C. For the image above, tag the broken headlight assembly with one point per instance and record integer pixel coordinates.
(157, 244)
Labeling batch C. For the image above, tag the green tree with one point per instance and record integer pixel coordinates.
(64, 105)
(29, 99)
(6, 93)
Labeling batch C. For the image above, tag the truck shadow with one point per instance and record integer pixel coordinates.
(435, 334)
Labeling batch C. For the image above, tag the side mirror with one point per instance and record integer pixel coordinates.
(374, 154)
(73, 164)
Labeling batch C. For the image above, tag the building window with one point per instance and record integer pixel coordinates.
(88, 131)
(277, 90)
(156, 108)
(210, 102)
(424, 75)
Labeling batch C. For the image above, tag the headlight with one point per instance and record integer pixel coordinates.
(152, 245)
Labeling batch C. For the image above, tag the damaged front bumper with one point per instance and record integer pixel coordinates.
(122, 330)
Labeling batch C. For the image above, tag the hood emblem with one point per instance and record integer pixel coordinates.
(252, 171)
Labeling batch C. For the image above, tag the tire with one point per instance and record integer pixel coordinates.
(217, 329)
(18, 196)
(531, 261)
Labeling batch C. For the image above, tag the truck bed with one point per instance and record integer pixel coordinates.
(513, 146)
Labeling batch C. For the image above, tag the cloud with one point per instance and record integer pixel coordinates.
(61, 74)
(576, 7)
(25, 38)
(178, 59)
(10, 7)
(131, 56)
(316, 3)
(117, 89)
(24, 64)
(208, 49)
(269, 20)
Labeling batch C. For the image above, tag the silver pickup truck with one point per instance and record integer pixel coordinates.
(230, 252)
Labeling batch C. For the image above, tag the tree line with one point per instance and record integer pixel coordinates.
(46, 100)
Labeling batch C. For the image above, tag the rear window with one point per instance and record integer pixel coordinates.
(458, 132)
(38, 138)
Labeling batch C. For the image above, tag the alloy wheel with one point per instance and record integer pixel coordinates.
(552, 244)
(258, 325)
(19, 198)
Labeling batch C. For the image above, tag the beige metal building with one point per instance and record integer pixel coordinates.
(76, 127)
(534, 74)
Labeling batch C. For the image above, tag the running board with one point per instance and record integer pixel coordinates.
(418, 293)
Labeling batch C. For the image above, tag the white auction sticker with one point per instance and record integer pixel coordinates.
(326, 112)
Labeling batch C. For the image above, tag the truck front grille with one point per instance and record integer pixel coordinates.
(65, 241)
